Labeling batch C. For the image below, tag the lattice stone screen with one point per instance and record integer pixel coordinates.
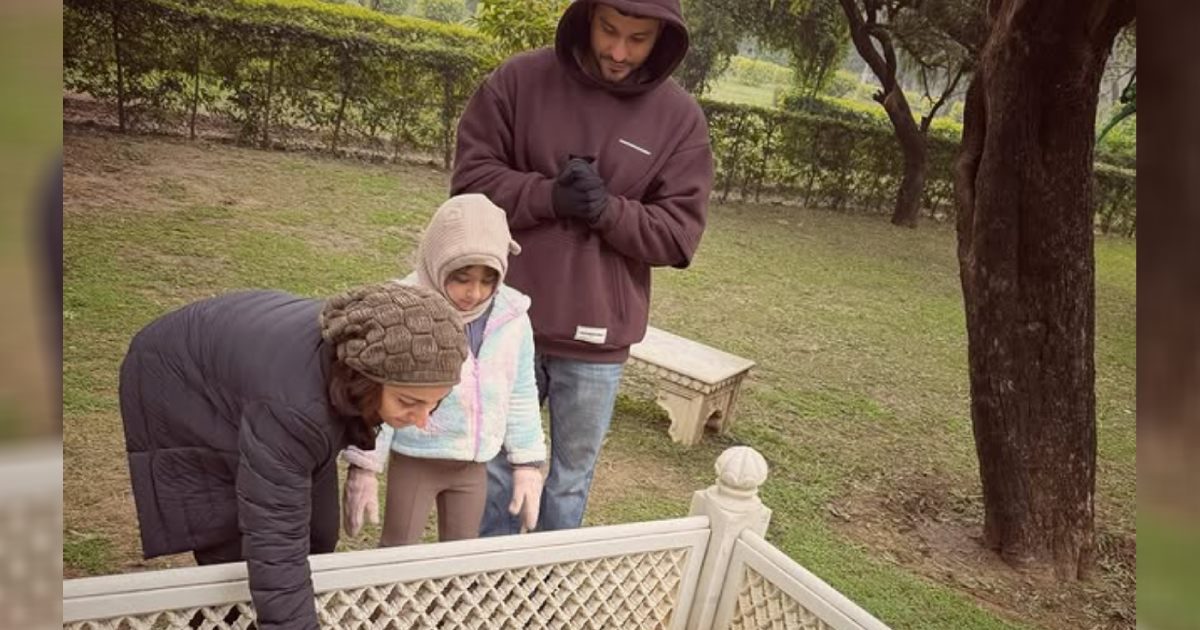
(710, 570)
(627, 576)
(766, 590)
(30, 535)
(761, 604)
(239, 616)
(630, 591)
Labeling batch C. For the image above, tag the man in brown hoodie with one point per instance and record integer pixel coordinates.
(603, 166)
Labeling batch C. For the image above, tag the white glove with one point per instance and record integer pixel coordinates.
(527, 495)
(360, 498)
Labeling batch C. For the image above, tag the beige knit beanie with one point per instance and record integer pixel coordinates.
(396, 334)
(466, 230)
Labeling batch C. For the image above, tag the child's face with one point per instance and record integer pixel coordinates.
(471, 286)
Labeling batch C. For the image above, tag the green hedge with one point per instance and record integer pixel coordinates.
(845, 164)
(1119, 146)
(276, 69)
(334, 19)
(1116, 199)
(757, 72)
(860, 111)
(286, 71)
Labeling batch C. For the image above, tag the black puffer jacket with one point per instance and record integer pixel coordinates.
(229, 433)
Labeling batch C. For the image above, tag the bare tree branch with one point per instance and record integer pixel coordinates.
(880, 34)
(927, 119)
(862, 41)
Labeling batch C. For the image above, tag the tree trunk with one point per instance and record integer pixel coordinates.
(337, 123)
(913, 149)
(195, 86)
(266, 130)
(120, 63)
(347, 86)
(396, 135)
(447, 121)
(765, 157)
(1024, 191)
(731, 168)
(865, 33)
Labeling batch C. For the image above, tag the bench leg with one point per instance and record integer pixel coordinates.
(729, 407)
(686, 410)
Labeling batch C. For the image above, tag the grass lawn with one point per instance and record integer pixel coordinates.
(859, 401)
(730, 90)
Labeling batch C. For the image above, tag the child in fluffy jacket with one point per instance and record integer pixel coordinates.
(464, 256)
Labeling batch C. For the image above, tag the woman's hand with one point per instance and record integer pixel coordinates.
(360, 500)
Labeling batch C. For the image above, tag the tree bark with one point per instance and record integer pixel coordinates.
(397, 136)
(266, 130)
(882, 60)
(337, 123)
(447, 121)
(731, 168)
(1023, 185)
(915, 154)
(120, 63)
(347, 70)
(195, 84)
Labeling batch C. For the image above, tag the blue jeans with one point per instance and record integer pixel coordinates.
(581, 396)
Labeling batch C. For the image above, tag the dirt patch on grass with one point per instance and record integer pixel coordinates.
(619, 473)
(329, 203)
(926, 524)
(628, 488)
(639, 475)
(104, 171)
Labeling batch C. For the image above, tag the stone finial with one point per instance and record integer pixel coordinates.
(732, 507)
(740, 471)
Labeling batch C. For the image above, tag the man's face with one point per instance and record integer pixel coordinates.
(621, 43)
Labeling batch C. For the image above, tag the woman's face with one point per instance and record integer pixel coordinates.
(408, 406)
(471, 286)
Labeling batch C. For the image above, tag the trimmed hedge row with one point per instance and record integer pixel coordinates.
(284, 71)
(276, 68)
(851, 165)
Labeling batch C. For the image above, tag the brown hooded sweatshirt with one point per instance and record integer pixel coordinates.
(591, 285)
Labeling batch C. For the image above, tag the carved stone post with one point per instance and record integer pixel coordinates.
(732, 505)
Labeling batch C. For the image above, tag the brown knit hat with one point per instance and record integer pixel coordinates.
(396, 334)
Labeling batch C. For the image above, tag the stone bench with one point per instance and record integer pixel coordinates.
(697, 385)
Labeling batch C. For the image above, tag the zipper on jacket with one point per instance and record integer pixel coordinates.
(478, 407)
(492, 324)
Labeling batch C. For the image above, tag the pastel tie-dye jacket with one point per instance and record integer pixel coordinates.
(495, 403)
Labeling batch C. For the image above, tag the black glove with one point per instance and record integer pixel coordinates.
(579, 192)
